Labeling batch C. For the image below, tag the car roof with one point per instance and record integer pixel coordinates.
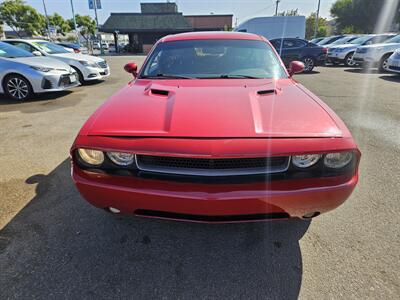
(212, 35)
(25, 40)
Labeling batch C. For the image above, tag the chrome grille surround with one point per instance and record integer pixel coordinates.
(212, 166)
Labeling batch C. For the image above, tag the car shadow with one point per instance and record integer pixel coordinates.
(309, 73)
(363, 71)
(59, 246)
(40, 102)
(392, 78)
(4, 99)
(92, 82)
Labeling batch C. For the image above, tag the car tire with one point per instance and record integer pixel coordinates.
(80, 75)
(383, 63)
(17, 87)
(348, 60)
(309, 64)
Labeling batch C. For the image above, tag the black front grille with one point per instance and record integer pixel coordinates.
(394, 68)
(47, 84)
(64, 80)
(212, 167)
(216, 219)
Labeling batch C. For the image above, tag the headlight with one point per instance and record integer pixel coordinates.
(88, 64)
(338, 160)
(91, 157)
(305, 161)
(42, 69)
(121, 158)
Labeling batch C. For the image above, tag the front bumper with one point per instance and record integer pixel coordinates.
(213, 200)
(394, 65)
(365, 59)
(337, 56)
(95, 73)
(56, 82)
(210, 202)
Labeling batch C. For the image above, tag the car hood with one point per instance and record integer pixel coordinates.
(41, 61)
(347, 46)
(213, 108)
(79, 57)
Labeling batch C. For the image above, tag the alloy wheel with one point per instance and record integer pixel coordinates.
(349, 61)
(385, 65)
(18, 88)
(308, 64)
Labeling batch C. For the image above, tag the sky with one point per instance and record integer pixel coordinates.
(241, 9)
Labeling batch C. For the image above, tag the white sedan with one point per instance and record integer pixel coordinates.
(88, 67)
(22, 74)
(394, 62)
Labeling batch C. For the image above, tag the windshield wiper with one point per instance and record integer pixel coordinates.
(223, 76)
(166, 76)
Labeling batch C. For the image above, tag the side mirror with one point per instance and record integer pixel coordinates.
(37, 53)
(131, 68)
(295, 67)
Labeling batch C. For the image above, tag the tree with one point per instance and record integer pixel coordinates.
(291, 12)
(61, 25)
(21, 17)
(364, 15)
(310, 26)
(85, 25)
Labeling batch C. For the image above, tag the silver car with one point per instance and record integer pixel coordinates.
(23, 74)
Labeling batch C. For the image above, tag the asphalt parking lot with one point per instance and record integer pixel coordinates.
(54, 245)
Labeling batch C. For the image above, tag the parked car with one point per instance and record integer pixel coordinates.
(297, 49)
(316, 40)
(213, 128)
(344, 53)
(344, 40)
(329, 40)
(394, 62)
(377, 55)
(22, 74)
(88, 67)
(96, 45)
(72, 47)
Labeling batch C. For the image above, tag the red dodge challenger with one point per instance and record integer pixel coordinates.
(213, 128)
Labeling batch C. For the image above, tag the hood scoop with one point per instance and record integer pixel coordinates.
(158, 92)
(266, 92)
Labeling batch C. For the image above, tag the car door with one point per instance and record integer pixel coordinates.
(292, 50)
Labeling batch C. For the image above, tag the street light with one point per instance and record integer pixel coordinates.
(47, 20)
(75, 27)
(317, 20)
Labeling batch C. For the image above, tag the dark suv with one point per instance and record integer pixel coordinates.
(297, 49)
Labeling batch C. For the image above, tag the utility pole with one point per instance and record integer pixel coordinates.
(317, 20)
(276, 8)
(75, 27)
(97, 23)
(47, 20)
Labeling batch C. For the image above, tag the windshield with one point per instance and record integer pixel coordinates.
(9, 51)
(361, 40)
(343, 40)
(214, 59)
(326, 40)
(316, 40)
(50, 48)
(395, 39)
